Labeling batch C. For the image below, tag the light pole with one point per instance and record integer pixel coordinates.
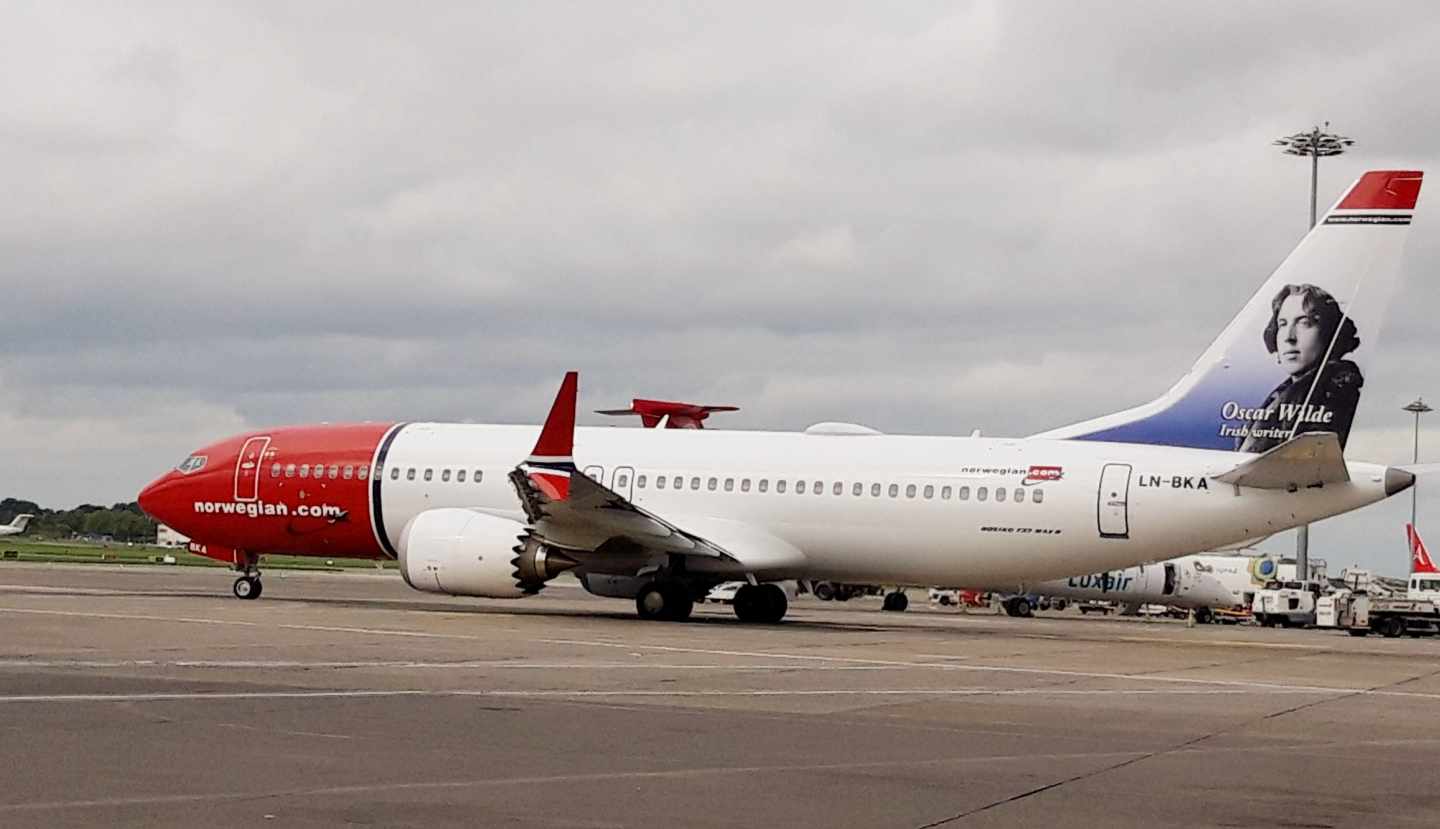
(1315, 142)
(1417, 408)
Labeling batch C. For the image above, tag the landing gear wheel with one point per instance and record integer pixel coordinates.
(762, 603)
(664, 601)
(896, 602)
(247, 587)
(1203, 616)
(824, 591)
(1019, 607)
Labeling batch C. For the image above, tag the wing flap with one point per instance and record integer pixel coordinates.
(1305, 460)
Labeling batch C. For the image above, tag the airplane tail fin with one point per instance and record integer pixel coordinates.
(21, 522)
(1294, 359)
(1420, 561)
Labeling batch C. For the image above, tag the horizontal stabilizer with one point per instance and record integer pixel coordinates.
(1305, 460)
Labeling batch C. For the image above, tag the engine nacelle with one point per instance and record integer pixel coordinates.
(464, 552)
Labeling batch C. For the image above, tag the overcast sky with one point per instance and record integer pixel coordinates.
(925, 217)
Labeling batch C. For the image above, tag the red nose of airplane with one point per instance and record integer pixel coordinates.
(153, 498)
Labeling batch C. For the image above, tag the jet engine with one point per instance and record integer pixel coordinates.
(465, 552)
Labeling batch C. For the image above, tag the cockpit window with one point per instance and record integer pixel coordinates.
(192, 464)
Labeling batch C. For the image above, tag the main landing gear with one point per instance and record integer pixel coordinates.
(895, 602)
(248, 586)
(761, 603)
(665, 601)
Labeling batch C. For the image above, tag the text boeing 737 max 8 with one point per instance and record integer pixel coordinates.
(1247, 444)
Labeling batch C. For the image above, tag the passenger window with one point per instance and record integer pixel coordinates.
(1019, 495)
(394, 473)
(410, 474)
(710, 484)
(694, 483)
(274, 470)
(1037, 496)
(478, 475)
(744, 484)
(459, 476)
(445, 476)
(334, 472)
(780, 486)
(622, 480)
(640, 481)
(348, 472)
(964, 493)
(894, 490)
(874, 490)
(764, 484)
(289, 470)
(429, 473)
(999, 493)
(929, 491)
(729, 484)
(838, 489)
(944, 493)
(909, 490)
(799, 487)
(819, 488)
(659, 481)
(981, 493)
(858, 489)
(678, 483)
(364, 471)
(304, 470)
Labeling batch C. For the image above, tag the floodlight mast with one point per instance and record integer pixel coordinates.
(1315, 143)
(1416, 408)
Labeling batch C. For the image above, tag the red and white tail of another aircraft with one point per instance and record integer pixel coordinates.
(1249, 443)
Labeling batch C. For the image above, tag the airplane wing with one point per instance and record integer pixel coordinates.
(1305, 460)
(569, 510)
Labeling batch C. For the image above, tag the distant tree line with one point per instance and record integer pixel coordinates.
(121, 522)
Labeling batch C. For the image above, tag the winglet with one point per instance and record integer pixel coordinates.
(1420, 561)
(552, 461)
(557, 438)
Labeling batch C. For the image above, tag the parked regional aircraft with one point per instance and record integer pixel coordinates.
(1247, 444)
(1424, 580)
(16, 526)
(1183, 582)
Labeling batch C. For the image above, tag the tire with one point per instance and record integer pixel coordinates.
(896, 602)
(824, 591)
(1023, 608)
(651, 602)
(1059, 604)
(1391, 627)
(1358, 631)
(761, 603)
(246, 587)
(1203, 616)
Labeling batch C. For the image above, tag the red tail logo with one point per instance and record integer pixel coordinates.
(1420, 561)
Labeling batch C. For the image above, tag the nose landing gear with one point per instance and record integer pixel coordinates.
(248, 586)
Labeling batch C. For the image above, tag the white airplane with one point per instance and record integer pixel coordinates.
(1183, 582)
(1247, 444)
(16, 526)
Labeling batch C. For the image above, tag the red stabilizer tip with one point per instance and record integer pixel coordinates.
(1384, 190)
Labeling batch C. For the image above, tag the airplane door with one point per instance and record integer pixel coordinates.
(247, 469)
(623, 480)
(1171, 577)
(1113, 501)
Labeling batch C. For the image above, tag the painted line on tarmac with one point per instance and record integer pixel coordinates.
(579, 693)
(282, 664)
(949, 666)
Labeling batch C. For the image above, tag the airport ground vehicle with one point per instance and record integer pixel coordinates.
(661, 516)
(1102, 608)
(1366, 605)
(1286, 604)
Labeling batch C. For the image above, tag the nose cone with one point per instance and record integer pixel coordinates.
(1397, 480)
(154, 498)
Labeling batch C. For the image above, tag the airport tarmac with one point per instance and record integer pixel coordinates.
(150, 696)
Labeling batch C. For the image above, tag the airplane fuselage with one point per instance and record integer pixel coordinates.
(894, 509)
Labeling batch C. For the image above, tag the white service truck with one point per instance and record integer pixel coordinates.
(1286, 604)
(1366, 605)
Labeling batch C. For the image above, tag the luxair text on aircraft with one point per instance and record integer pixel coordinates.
(1248, 443)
